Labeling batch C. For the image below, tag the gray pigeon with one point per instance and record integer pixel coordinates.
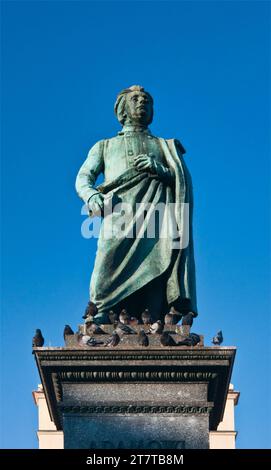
(90, 311)
(113, 317)
(143, 339)
(167, 340)
(95, 329)
(218, 339)
(123, 329)
(113, 340)
(124, 317)
(172, 317)
(94, 342)
(133, 321)
(169, 320)
(185, 342)
(146, 317)
(38, 340)
(188, 319)
(195, 338)
(67, 332)
(191, 340)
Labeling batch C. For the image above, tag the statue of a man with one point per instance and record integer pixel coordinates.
(140, 272)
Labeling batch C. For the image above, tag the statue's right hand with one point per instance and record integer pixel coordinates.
(96, 205)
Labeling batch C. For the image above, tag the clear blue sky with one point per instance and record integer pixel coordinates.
(206, 64)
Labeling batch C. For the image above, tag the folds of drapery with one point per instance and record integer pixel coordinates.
(126, 264)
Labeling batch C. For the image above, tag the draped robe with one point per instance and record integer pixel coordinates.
(123, 266)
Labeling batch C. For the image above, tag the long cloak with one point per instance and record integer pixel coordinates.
(125, 265)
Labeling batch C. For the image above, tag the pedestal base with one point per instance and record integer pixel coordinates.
(136, 432)
(141, 398)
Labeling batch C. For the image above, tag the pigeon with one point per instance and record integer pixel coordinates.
(113, 340)
(185, 342)
(218, 339)
(124, 317)
(122, 329)
(90, 311)
(133, 321)
(143, 339)
(38, 340)
(156, 328)
(188, 319)
(83, 339)
(67, 331)
(172, 317)
(167, 340)
(146, 317)
(168, 319)
(191, 340)
(92, 328)
(113, 317)
(94, 342)
(195, 338)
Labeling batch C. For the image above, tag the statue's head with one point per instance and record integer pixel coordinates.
(134, 105)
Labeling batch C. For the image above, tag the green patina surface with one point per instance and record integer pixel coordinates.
(139, 272)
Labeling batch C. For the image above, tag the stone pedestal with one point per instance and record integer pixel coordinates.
(140, 398)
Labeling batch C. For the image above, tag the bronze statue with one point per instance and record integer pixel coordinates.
(139, 272)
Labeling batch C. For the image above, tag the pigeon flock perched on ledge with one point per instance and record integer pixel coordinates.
(124, 324)
(174, 331)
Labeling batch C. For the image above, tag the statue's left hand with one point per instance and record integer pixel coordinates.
(144, 162)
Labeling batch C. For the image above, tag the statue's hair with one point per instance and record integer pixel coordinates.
(119, 107)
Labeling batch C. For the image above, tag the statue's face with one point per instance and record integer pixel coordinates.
(138, 107)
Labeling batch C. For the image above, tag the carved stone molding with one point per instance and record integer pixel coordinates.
(57, 386)
(138, 376)
(123, 409)
(128, 356)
